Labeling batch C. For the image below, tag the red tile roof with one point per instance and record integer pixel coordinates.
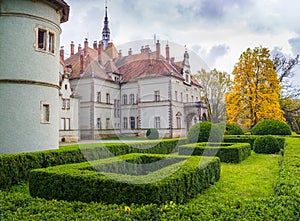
(131, 67)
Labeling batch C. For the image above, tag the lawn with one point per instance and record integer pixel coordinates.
(244, 192)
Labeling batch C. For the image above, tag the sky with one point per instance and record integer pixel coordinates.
(215, 31)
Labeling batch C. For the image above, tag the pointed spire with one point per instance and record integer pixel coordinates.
(106, 30)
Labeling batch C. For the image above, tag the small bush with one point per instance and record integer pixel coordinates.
(152, 134)
(266, 145)
(204, 132)
(233, 129)
(271, 127)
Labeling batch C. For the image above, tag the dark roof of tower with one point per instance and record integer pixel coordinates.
(65, 9)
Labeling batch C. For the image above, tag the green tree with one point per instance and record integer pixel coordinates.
(215, 84)
(254, 95)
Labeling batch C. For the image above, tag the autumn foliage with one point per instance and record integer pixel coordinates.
(254, 95)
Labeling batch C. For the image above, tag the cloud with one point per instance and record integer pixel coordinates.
(295, 44)
(210, 56)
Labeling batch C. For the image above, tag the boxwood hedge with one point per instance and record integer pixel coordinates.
(271, 127)
(179, 180)
(250, 139)
(15, 167)
(227, 152)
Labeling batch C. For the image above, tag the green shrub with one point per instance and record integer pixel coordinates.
(266, 145)
(152, 134)
(204, 132)
(250, 139)
(179, 180)
(227, 152)
(233, 129)
(271, 127)
(15, 167)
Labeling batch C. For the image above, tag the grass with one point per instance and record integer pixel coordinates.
(244, 192)
(125, 138)
(252, 178)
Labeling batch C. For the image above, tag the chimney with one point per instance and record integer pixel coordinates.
(167, 52)
(157, 49)
(147, 49)
(142, 50)
(130, 51)
(72, 48)
(82, 62)
(95, 45)
(62, 52)
(172, 60)
(86, 45)
(120, 53)
(79, 48)
(100, 50)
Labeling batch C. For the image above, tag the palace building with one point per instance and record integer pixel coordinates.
(125, 95)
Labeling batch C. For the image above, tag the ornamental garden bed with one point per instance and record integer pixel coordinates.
(227, 152)
(132, 178)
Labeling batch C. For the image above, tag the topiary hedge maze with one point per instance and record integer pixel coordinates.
(16, 167)
(227, 152)
(133, 178)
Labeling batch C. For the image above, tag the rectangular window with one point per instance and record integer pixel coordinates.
(45, 113)
(131, 99)
(157, 122)
(99, 97)
(66, 104)
(192, 98)
(51, 42)
(178, 122)
(67, 124)
(45, 40)
(42, 34)
(181, 97)
(117, 108)
(187, 98)
(63, 105)
(156, 96)
(107, 123)
(132, 123)
(62, 123)
(176, 96)
(99, 124)
(125, 99)
(107, 98)
(125, 123)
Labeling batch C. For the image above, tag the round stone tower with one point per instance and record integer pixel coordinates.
(29, 74)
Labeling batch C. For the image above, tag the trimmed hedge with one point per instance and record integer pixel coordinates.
(250, 139)
(15, 167)
(227, 152)
(179, 180)
(271, 127)
(204, 132)
(152, 134)
(232, 129)
(266, 145)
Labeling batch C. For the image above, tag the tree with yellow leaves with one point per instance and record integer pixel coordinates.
(255, 90)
